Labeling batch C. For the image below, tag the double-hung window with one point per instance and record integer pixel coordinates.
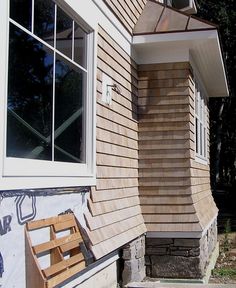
(49, 107)
(200, 123)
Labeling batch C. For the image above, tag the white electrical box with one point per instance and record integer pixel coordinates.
(107, 88)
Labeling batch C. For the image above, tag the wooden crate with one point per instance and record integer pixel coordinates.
(61, 268)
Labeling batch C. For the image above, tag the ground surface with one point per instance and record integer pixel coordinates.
(225, 269)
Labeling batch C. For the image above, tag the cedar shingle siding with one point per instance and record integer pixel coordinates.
(127, 11)
(115, 214)
(174, 189)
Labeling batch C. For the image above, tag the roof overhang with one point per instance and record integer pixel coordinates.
(203, 46)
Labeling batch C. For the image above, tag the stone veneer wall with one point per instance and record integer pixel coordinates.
(180, 257)
(134, 262)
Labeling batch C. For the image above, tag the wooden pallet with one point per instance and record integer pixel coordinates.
(61, 268)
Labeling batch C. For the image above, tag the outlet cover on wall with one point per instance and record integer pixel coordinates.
(107, 84)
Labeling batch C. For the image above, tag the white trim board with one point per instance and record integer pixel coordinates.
(175, 36)
(204, 47)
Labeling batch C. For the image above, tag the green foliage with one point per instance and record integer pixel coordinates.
(225, 272)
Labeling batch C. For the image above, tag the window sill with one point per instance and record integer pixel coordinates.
(201, 160)
(15, 183)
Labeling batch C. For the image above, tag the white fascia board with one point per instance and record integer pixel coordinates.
(204, 46)
(152, 54)
(223, 66)
(208, 58)
(167, 47)
(174, 37)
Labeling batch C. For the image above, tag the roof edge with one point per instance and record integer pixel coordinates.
(146, 18)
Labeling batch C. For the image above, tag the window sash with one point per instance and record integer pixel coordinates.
(200, 123)
(13, 165)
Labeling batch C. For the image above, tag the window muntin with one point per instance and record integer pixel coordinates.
(47, 88)
(200, 123)
(30, 91)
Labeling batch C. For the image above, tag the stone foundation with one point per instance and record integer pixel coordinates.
(180, 257)
(134, 262)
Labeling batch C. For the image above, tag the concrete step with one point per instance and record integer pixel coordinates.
(177, 285)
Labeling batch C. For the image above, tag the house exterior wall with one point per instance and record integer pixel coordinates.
(112, 211)
(175, 195)
(127, 11)
(174, 188)
(144, 154)
(166, 145)
(114, 215)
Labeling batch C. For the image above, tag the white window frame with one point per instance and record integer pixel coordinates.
(200, 121)
(19, 173)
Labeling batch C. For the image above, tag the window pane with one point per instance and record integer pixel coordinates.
(196, 102)
(29, 97)
(80, 38)
(204, 143)
(64, 33)
(44, 11)
(69, 112)
(201, 107)
(196, 134)
(201, 139)
(20, 11)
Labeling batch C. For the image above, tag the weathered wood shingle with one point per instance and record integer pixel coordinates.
(174, 189)
(114, 216)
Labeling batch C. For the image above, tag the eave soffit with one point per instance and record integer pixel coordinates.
(163, 32)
